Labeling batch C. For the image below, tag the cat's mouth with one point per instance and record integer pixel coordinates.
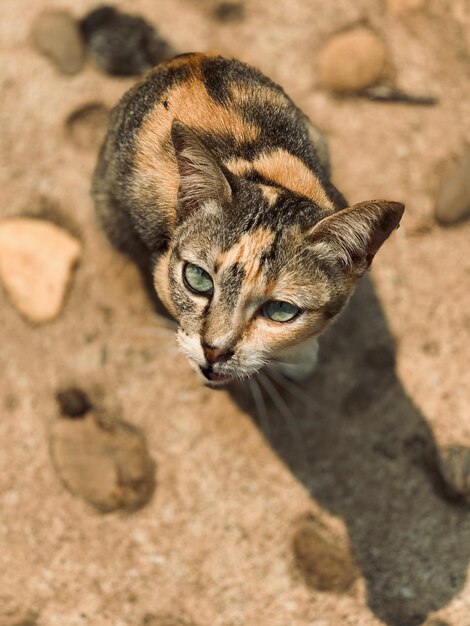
(214, 377)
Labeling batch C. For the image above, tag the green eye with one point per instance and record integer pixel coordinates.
(197, 280)
(279, 311)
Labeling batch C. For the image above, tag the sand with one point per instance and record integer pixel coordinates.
(217, 543)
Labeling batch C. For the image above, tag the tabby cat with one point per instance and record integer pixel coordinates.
(214, 181)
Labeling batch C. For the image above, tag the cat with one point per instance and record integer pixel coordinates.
(214, 181)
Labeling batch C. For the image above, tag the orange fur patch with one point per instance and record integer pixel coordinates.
(260, 96)
(247, 251)
(188, 102)
(270, 193)
(239, 167)
(161, 282)
(285, 169)
(190, 59)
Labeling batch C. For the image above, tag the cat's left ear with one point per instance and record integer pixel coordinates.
(354, 235)
(201, 177)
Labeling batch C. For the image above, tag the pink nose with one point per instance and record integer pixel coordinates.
(216, 355)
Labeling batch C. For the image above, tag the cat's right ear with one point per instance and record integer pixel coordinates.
(201, 177)
(353, 236)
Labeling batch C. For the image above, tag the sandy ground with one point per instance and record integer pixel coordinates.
(218, 543)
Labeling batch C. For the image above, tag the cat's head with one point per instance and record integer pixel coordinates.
(254, 272)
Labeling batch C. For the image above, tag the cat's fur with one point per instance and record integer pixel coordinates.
(207, 161)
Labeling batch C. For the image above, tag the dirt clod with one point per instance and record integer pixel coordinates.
(18, 618)
(106, 465)
(73, 402)
(36, 262)
(122, 44)
(352, 61)
(87, 125)
(229, 12)
(165, 620)
(454, 466)
(57, 36)
(323, 557)
(453, 198)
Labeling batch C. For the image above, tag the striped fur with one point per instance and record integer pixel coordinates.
(208, 162)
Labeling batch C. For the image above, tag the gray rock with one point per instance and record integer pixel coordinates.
(57, 36)
(453, 198)
(123, 44)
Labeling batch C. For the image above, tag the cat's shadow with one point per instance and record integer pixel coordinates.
(371, 459)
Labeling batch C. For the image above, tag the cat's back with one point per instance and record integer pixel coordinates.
(235, 108)
(238, 112)
(244, 118)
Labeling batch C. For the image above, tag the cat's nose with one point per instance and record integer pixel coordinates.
(216, 355)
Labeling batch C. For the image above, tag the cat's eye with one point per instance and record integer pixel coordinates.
(279, 311)
(197, 280)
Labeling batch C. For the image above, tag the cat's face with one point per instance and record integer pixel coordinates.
(253, 274)
(242, 301)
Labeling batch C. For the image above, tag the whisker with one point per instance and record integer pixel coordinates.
(166, 323)
(291, 387)
(289, 417)
(281, 362)
(260, 406)
(152, 330)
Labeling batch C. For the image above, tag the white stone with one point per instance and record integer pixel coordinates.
(36, 262)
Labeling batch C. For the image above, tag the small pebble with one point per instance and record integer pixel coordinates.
(73, 402)
(453, 198)
(323, 557)
(103, 461)
(57, 36)
(164, 620)
(18, 618)
(386, 93)
(36, 262)
(228, 12)
(405, 6)
(454, 466)
(352, 61)
(86, 127)
(122, 44)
